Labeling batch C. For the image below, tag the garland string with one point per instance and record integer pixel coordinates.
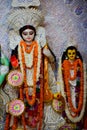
(41, 94)
(15, 123)
(7, 122)
(35, 57)
(66, 69)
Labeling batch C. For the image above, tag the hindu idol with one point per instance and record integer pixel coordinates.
(31, 79)
(72, 78)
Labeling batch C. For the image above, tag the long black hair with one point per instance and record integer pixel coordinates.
(78, 55)
(27, 27)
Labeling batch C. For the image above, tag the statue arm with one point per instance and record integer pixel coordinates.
(48, 53)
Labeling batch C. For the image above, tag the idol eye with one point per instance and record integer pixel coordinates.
(69, 53)
(74, 53)
(31, 33)
(25, 33)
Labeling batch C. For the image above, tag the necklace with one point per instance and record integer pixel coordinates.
(70, 66)
(31, 101)
(77, 118)
(66, 67)
(28, 47)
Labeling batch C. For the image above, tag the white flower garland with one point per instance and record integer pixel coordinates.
(29, 58)
(73, 119)
(29, 63)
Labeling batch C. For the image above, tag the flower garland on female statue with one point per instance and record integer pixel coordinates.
(73, 83)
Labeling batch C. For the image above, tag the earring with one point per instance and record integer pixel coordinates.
(66, 58)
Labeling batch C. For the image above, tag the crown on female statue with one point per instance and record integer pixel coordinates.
(21, 17)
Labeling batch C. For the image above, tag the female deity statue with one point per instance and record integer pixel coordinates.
(72, 78)
(32, 57)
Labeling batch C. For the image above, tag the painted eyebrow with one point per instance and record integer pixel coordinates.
(25, 32)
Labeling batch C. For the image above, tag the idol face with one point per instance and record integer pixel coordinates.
(28, 35)
(71, 54)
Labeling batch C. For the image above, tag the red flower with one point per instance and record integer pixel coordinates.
(14, 61)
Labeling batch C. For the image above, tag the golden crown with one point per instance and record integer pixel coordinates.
(21, 17)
